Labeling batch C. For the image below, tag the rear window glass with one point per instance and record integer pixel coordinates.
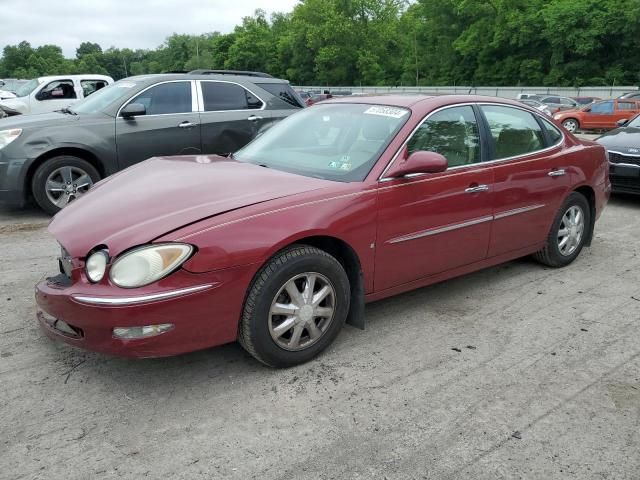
(283, 91)
(222, 96)
(554, 134)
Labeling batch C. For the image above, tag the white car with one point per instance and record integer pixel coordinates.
(47, 94)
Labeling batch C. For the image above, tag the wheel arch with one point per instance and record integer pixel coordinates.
(588, 192)
(82, 153)
(349, 259)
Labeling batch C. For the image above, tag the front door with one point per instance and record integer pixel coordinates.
(600, 115)
(171, 125)
(531, 177)
(433, 223)
(55, 95)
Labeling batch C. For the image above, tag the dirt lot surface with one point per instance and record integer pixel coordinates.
(514, 372)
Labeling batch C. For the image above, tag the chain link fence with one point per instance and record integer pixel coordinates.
(505, 92)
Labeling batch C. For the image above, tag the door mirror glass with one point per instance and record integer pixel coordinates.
(133, 110)
(419, 162)
(622, 122)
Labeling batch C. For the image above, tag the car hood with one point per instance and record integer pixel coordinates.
(621, 138)
(6, 94)
(38, 120)
(162, 194)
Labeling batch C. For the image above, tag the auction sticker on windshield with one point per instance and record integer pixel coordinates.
(385, 111)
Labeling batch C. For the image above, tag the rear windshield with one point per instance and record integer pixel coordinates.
(284, 92)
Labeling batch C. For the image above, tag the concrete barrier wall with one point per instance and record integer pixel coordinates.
(506, 92)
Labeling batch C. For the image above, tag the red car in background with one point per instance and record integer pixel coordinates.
(351, 201)
(603, 115)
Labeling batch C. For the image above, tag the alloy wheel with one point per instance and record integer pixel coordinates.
(571, 230)
(65, 184)
(570, 125)
(301, 311)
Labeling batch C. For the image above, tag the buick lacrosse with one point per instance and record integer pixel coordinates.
(343, 203)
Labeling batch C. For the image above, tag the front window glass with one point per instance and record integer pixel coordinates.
(453, 133)
(166, 98)
(602, 107)
(340, 142)
(27, 88)
(57, 90)
(100, 100)
(514, 131)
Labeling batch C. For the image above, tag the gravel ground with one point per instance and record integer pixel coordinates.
(513, 372)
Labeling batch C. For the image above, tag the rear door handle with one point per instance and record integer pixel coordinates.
(477, 189)
(557, 173)
(254, 118)
(187, 124)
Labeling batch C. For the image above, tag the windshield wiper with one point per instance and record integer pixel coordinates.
(67, 111)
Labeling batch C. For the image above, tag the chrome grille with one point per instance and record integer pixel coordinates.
(615, 157)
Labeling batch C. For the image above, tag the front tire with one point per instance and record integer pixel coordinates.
(571, 124)
(296, 306)
(60, 180)
(568, 232)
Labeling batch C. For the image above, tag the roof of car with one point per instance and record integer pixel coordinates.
(74, 77)
(189, 76)
(409, 101)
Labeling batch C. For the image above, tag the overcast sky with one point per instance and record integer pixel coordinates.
(121, 23)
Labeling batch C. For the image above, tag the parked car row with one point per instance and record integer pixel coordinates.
(56, 157)
(352, 200)
(47, 94)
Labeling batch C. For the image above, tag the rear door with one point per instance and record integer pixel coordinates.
(230, 114)
(171, 125)
(287, 101)
(530, 177)
(625, 109)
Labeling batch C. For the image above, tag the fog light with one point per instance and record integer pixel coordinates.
(142, 332)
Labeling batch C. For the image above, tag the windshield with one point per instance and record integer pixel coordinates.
(104, 97)
(338, 142)
(635, 122)
(27, 88)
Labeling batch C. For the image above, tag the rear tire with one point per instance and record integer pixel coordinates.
(60, 180)
(282, 329)
(568, 233)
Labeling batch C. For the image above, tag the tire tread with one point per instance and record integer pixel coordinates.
(259, 282)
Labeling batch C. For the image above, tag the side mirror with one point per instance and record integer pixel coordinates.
(133, 110)
(622, 122)
(419, 162)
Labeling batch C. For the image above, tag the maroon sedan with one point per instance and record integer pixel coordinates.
(344, 203)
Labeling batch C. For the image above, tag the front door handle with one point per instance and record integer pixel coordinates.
(254, 118)
(477, 189)
(557, 173)
(187, 124)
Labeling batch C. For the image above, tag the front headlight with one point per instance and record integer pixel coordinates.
(8, 136)
(148, 264)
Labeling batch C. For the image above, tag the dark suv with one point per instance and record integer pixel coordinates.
(56, 157)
